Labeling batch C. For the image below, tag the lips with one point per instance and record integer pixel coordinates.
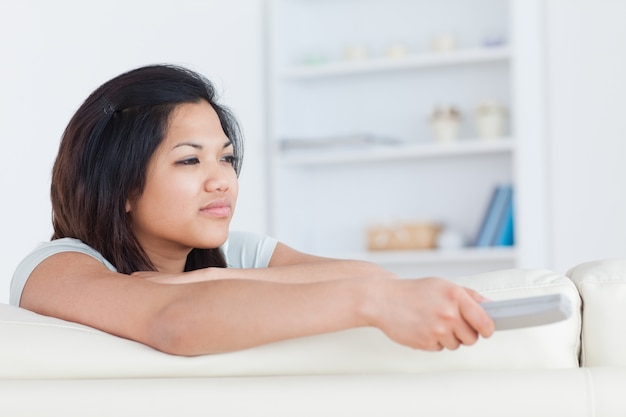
(218, 208)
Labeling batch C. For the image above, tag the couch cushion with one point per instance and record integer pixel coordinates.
(587, 392)
(602, 285)
(34, 346)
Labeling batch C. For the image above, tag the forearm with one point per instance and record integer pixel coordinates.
(226, 315)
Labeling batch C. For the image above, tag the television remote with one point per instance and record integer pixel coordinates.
(529, 311)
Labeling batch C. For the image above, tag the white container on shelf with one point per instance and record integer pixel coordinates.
(444, 122)
(490, 120)
(444, 43)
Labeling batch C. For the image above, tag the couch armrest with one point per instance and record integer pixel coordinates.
(35, 346)
(602, 285)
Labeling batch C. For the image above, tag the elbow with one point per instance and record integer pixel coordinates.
(170, 331)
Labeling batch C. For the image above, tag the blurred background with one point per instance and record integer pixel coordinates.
(442, 137)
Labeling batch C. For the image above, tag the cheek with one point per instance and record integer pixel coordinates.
(165, 197)
(177, 192)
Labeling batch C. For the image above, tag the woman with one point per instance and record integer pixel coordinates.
(143, 191)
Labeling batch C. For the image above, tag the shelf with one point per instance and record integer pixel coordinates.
(465, 255)
(396, 152)
(459, 57)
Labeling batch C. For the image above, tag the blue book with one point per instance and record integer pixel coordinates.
(489, 227)
(504, 234)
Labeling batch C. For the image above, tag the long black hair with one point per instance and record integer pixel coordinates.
(104, 154)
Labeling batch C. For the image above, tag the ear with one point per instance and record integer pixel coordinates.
(128, 206)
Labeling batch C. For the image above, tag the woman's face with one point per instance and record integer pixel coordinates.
(191, 188)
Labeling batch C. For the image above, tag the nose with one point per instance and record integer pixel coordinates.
(217, 178)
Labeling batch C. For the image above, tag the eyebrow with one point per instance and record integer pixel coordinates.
(198, 146)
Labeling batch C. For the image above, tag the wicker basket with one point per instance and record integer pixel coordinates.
(403, 236)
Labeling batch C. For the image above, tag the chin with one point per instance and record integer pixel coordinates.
(216, 240)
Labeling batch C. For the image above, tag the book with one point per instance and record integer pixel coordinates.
(505, 235)
(493, 217)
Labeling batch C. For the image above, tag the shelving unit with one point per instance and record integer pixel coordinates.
(324, 198)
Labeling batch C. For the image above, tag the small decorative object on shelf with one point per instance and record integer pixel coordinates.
(450, 239)
(445, 122)
(403, 236)
(444, 43)
(315, 58)
(355, 52)
(493, 41)
(397, 51)
(355, 141)
(490, 120)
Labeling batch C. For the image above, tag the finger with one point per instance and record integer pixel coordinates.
(466, 334)
(436, 348)
(479, 298)
(476, 317)
(446, 335)
(450, 342)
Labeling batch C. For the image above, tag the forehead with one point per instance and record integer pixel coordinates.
(193, 124)
(189, 117)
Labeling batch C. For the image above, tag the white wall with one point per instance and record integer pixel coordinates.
(586, 129)
(54, 53)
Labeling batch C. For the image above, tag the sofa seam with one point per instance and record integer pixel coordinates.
(591, 397)
(64, 326)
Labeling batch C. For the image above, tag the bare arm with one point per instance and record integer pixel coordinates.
(227, 314)
(287, 265)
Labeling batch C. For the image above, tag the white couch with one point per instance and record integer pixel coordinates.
(49, 367)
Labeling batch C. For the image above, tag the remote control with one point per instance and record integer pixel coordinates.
(529, 311)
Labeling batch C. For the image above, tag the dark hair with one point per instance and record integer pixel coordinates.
(104, 154)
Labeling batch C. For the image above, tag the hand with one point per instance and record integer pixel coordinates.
(429, 314)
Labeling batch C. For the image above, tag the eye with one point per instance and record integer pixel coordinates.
(229, 159)
(188, 161)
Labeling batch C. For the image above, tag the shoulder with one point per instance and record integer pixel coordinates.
(41, 253)
(248, 250)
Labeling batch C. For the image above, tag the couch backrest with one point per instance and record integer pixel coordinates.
(602, 285)
(35, 346)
